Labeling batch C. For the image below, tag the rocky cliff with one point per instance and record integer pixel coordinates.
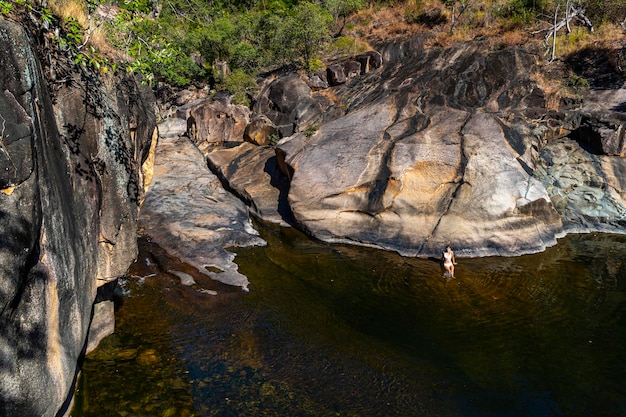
(463, 144)
(71, 151)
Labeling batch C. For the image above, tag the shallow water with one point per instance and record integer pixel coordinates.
(331, 330)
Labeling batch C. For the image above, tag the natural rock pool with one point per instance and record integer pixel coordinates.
(331, 330)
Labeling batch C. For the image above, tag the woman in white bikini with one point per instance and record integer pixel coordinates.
(448, 261)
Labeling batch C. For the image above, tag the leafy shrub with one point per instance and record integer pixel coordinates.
(73, 31)
(6, 7)
(315, 65)
(577, 84)
(310, 130)
(244, 56)
(273, 139)
(520, 11)
(237, 84)
(346, 46)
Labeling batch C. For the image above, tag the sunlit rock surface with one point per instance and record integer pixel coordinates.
(443, 145)
(416, 183)
(252, 173)
(188, 212)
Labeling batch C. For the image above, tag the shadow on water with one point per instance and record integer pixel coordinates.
(331, 330)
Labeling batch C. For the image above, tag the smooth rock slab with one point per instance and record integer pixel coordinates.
(411, 181)
(190, 215)
(252, 173)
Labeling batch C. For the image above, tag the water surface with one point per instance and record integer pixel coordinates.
(331, 330)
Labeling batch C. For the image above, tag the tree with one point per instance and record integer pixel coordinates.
(342, 9)
(459, 7)
(308, 29)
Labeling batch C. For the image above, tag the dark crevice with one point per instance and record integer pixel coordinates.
(588, 139)
(418, 122)
(459, 183)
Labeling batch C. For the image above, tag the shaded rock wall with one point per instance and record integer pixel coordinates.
(70, 183)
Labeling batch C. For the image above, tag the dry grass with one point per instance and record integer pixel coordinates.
(551, 86)
(97, 36)
(514, 37)
(70, 8)
(330, 95)
(609, 35)
(383, 23)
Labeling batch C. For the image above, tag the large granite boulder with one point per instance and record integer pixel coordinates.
(261, 131)
(216, 121)
(70, 187)
(415, 184)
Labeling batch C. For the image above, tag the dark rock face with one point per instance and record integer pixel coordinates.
(287, 102)
(336, 74)
(70, 186)
(218, 121)
(369, 60)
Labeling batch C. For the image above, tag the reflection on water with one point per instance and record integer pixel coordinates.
(348, 331)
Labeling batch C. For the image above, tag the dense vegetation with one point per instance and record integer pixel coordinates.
(228, 42)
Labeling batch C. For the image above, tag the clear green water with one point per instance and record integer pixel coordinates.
(347, 331)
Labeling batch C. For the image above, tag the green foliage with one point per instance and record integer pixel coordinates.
(237, 83)
(315, 65)
(520, 11)
(73, 31)
(244, 56)
(273, 139)
(249, 40)
(310, 130)
(46, 15)
(308, 29)
(6, 7)
(136, 6)
(343, 8)
(577, 84)
(345, 45)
